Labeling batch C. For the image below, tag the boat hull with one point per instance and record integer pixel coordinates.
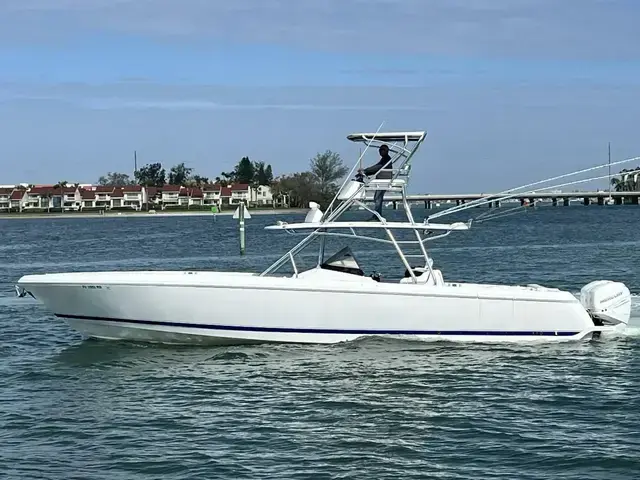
(133, 331)
(236, 308)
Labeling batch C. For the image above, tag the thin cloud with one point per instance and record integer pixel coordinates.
(196, 105)
(134, 79)
(115, 104)
(587, 29)
(433, 99)
(381, 71)
(189, 98)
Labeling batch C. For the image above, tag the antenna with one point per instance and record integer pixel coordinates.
(135, 162)
(609, 179)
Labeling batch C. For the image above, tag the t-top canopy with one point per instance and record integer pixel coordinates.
(387, 136)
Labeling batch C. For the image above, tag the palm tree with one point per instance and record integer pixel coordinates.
(617, 184)
(47, 197)
(628, 180)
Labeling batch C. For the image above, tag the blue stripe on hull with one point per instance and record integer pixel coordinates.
(324, 330)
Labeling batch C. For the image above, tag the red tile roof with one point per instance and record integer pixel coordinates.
(225, 192)
(87, 194)
(212, 187)
(132, 188)
(240, 187)
(44, 191)
(69, 190)
(171, 188)
(195, 192)
(5, 191)
(151, 191)
(117, 193)
(17, 195)
(104, 189)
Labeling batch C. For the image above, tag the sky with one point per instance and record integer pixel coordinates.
(509, 91)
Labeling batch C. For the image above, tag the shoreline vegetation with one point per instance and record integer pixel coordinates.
(117, 194)
(161, 213)
(295, 190)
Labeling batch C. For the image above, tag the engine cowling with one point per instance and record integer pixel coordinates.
(608, 302)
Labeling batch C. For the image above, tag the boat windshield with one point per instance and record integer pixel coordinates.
(343, 261)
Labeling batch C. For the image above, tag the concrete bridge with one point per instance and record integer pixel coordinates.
(586, 198)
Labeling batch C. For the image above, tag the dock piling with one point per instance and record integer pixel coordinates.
(241, 224)
(241, 214)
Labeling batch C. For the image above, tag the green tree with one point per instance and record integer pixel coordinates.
(222, 181)
(263, 173)
(151, 175)
(278, 189)
(226, 178)
(198, 181)
(327, 168)
(115, 179)
(180, 174)
(301, 188)
(319, 184)
(268, 175)
(260, 174)
(245, 172)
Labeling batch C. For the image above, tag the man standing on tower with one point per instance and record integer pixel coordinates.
(383, 169)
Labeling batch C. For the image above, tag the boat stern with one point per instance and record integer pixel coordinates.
(607, 302)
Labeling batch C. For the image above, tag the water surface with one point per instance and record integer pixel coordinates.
(375, 408)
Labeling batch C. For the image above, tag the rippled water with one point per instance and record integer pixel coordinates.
(375, 408)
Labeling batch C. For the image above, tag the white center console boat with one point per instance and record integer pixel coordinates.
(334, 301)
